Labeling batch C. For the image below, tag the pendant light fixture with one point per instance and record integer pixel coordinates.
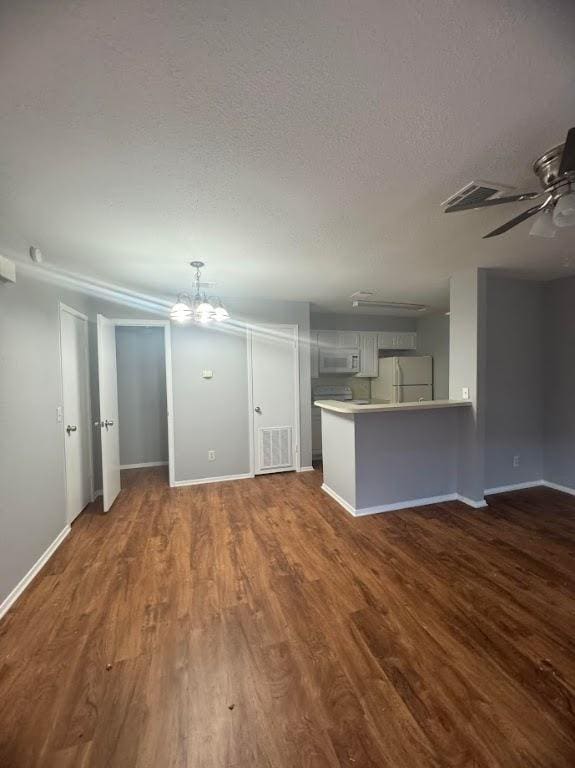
(200, 308)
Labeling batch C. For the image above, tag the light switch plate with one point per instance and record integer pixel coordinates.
(59, 414)
(207, 374)
(465, 393)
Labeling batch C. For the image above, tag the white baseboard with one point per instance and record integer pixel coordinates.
(513, 487)
(557, 487)
(44, 557)
(422, 502)
(471, 502)
(336, 497)
(531, 484)
(306, 469)
(203, 480)
(146, 464)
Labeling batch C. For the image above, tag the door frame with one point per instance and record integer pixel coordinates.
(166, 325)
(294, 327)
(86, 362)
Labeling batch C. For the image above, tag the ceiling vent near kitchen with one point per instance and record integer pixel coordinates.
(475, 193)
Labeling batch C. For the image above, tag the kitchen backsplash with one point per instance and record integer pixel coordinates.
(361, 388)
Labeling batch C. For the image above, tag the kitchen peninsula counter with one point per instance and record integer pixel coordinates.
(380, 456)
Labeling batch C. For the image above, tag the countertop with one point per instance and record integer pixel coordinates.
(338, 406)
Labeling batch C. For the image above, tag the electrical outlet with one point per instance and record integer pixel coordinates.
(211, 455)
(515, 461)
(465, 393)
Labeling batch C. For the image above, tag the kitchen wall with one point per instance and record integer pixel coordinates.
(514, 381)
(467, 340)
(433, 339)
(559, 382)
(142, 412)
(336, 321)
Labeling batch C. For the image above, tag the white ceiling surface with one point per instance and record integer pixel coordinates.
(301, 148)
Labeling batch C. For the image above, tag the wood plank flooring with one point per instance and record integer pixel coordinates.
(255, 625)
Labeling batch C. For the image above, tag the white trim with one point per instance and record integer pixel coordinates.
(166, 325)
(251, 443)
(88, 393)
(48, 273)
(513, 487)
(9, 601)
(471, 502)
(144, 465)
(222, 479)
(557, 487)
(400, 504)
(294, 327)
(306, 469)
(341, 501)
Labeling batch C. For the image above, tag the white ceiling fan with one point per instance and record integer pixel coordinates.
(556, 173)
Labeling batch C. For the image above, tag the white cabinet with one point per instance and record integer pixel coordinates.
(338, 339)
(397, 340)
(316, 432)
(314, 354)
(368, 358)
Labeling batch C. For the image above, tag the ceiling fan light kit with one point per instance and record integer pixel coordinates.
(200, 308)
(556, 173)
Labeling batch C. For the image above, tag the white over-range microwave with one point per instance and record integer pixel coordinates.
(338, 360)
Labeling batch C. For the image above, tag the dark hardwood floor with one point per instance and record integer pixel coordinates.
(256, 624)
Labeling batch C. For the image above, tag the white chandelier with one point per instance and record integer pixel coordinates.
(201, 308)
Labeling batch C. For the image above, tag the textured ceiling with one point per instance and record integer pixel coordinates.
(301, 148)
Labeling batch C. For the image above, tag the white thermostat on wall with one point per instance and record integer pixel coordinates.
(207, 374)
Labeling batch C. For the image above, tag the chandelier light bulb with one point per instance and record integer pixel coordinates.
(200, 309)
(564, 213)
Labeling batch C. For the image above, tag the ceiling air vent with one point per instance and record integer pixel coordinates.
(474, 193)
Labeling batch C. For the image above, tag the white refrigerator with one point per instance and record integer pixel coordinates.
(404, 379)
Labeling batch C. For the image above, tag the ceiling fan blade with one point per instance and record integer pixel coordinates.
(518, 219)
(568, 156)
(496, 201)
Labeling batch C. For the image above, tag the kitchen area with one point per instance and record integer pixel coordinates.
(386, 360)
(382, 421)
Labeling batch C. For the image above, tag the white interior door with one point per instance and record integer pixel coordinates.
(76, 416)
(109, 426)
(275, 395)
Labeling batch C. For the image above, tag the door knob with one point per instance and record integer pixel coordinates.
(108, 423)
(257, 409)
(71, 428)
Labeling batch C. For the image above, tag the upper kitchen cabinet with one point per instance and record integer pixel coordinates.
(368, 357)
(338, 339)
(395, 340)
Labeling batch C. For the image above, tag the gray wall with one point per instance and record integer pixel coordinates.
(514, 391)
(142, 395)
(32, 477)
(559, 382)
(467, 369)
(335, 321)
(406, 456)
(212, 414)
(433, 339)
